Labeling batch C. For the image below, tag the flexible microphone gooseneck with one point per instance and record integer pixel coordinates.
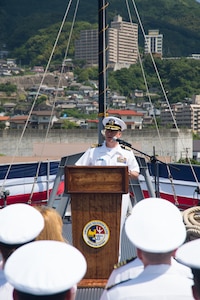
(121, 142)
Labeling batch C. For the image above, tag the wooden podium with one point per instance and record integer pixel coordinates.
(96, 194)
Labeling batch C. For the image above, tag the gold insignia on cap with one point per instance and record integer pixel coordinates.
(111, 125)
(114, 123)
(111, 122)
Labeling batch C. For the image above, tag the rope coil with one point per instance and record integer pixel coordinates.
(191, 219)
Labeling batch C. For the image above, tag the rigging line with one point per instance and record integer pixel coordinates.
(157, 73)
(146, 85)
(165, 95)
(35, 99)
(56, 95)
(154, 64)
(102, 65)
(103, 53)
(155, 121)
(159, 136)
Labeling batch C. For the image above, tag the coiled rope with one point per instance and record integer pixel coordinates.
(191, 219)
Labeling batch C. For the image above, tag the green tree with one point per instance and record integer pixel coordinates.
(69, 124)
(8, 88)
(41, 99)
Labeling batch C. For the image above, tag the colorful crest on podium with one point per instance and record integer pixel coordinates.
(96, 233)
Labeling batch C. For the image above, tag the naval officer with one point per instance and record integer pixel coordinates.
(20, 223)
(156, 229)
(188, 255)
(45, 269)
(111, 153)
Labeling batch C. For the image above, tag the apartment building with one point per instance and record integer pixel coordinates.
(154, 43)
(122, 41)
(186, 116)
(86, 47)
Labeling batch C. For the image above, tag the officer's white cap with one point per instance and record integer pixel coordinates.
(45, 267)
(113, 123)
(156, 226)
(188, 254)
(19, 223)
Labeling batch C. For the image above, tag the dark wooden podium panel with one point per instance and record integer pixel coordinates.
(96, 179)
(96, 196)
(100, 261)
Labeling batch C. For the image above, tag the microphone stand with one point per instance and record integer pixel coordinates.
(153, 160)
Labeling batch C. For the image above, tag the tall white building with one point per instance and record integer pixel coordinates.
(122, 42)
(154, 43)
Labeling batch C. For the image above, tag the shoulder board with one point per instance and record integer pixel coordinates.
(113, 285)
(125, 147)
(96, 145)
(125, 262)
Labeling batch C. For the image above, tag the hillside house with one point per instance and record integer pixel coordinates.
(41, 119)
(92, 124)
(4, 121)
(133, 119)
(9, 107)
(38, 69)
(18, 122)
(118, 101)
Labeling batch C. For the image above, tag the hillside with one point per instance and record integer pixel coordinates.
(178, 21)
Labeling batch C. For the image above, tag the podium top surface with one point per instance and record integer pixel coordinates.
(96, 179)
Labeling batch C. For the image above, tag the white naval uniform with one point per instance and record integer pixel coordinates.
(124, 271)
(6, 290)
(117, 156)
(156, 282)
(131, 268)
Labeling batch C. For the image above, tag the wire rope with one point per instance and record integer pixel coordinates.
(58, 85)
(168, 104)
(33, 105)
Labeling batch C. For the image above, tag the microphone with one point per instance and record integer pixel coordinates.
(121, 142)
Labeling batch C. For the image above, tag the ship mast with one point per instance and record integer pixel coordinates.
(102, 56)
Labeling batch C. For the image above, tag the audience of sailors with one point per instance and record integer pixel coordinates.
(50, 268)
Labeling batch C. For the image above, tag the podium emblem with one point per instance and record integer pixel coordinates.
(96, 234)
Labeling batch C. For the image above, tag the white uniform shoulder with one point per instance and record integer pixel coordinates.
(124, 262)
(108, 288)
(118, 266)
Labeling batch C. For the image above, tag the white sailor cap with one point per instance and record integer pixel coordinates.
(155, 225)
(188, 254)
(20, 223)
(113, 123)
(45, 267)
